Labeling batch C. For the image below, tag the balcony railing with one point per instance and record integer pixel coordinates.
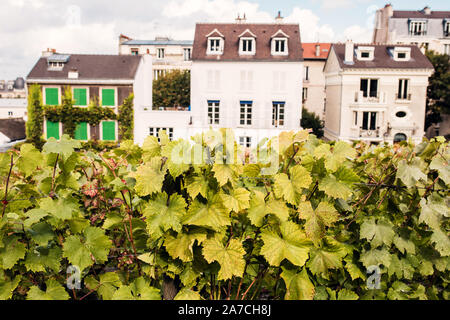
(402, 98)
(364, 133)
(370, 97)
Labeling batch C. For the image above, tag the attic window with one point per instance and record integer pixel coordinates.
(401, 54)
(365, 53)
(215, 45)
(247, 46)
(279, 46)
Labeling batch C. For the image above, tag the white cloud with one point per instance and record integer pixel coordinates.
(310, 29)
(357, 34)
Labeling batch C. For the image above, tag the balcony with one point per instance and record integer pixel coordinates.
(369, 134)
(403, 99)
(370, 98)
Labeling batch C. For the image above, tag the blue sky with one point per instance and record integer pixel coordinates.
(27, 27)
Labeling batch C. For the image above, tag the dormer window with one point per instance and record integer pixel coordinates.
(280, 43)
(365, 53)
(401, 53)
(56, 61)
(215, 42)
(447, 28)
(417, 28)
(247, 43)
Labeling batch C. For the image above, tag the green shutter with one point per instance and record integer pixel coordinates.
(109, 130)
(52, 130)
(81, 132)
(79, 95)
(51, 96)
(108, 97)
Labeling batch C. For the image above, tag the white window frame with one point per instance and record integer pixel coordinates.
(369, 50)
(406, 51)
(369, 80)
(447, 29)
(401, 87)
(160, 56)
(414, 28)
(276, 116)
(306, 73)
(245, 141)
(286, 48)
(87, 96)
(116, 96)
(447, 48)
(10, 113)
(133, 50)
(241, 46)
(247, 113)
(187, 54)
(45, 96)
(218, 49)
(369, 120)
(88, 128)
(246, 80)
(213, 79)
(304, 93)
(211, 116)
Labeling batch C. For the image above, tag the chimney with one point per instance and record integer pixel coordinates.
(317, 50)
(244, 18)
(349, 51)
(73, 73)
(427, 10)
(48, 52)
(238, 19)
(279, 18)
(389, 10)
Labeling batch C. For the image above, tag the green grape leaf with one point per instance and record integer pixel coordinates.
(65, 146)
(353, 270)
(140, 289)
(237, 201)
(377, 232)
(441, 242)
(404, 245)
(149, 177)
(400, 267)
(12, 251)
(226, 173)
(60, 208)
(375, 257)
(341, 151)
(106, 287)
(431, 212)
(54, 291)
(317, 220)
(410, 174)
(7, 287)
(181, 246)
(30, 158)
(197, 185)
(291, 245)
(40, 259)
(84, 251)
(34, 216)
(298, 285)
(164, 213)
(151, 148)
(346, 294)
(211, 215)
(325, 258)
(440, 164)
(187, 294)
(290, 188)
(230, 258)
(41, 233)
(334, 188)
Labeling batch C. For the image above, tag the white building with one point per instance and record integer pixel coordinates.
(425, 28)
(247, 77)
(376, 93)
(167, 54)
(13, 99)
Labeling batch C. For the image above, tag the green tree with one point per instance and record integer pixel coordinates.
(35, 116)
(438, 94)
(312, 121)
(172, 89)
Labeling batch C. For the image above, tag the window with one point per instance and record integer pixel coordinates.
(278, 114)
(10, 113)
(369, 87)
(447, 28)
(213, 78)
(134, 51)
(400, 114)
(155, 132)
(447, 49)
(108, 130)
(246, 80)
(52, 96)
(304, 94)
(279, 80)
(306, 74)
(401, 55)
(108, 97)
(402, 93)
(80, 96)
(213, 112)
(81, 131)
(245, 141)
(365, 54)
(158, 73)
(187, 54)
(247, 46)
(160, 53)
(369, 121)
(52, 129)
(246, 113)
(418, 28)
(279, 46)
(355, 118)
(215, 45)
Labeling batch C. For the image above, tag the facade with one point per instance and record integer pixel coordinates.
(167, 54)
(426, 28)
(376, 93)
(104, 79)
(13, 99)
(313, 94)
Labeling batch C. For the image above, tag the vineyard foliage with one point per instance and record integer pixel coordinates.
(334, 221)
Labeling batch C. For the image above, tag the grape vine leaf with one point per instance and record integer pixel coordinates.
(164, 213)
(230, 257)
(211, 215)
(7, 287)
(30, 158)
(54, 291)
(151, 148)
(341, 151)
(291, 245)
(375, 257)
(59, 208)
(226, 173)
(187, 294)
(65, 146)
(325, 215)
(442, 242)
(377, 232)
(237, 201)
(298, 285)
(42, 258)
(336, 189)
(290, 188)
(441, 164)
(197, 185)
(404, 245)
(92, 247)
(107, 285)
(149, 177)
(346, 294)
(139, 289)
(431, 212)
(324, 258)
(181, 246)
(12, 251)
(410, 174)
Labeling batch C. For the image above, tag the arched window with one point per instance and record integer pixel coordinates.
(399, 137)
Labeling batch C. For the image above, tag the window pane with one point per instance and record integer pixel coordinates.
(373, 120)
(108, 97)
(51, 96)
(81, 131)
(52, 130)
(109, 130)
(79, 95)
(365, 124)
(373, 87)
(363, 86)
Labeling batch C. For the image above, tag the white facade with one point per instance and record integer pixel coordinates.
(13, 108)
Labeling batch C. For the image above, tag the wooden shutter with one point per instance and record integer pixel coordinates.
(81, 132)
(109, 130)
(108, 97)
(80, 97)
(52, 130)
(51, 96)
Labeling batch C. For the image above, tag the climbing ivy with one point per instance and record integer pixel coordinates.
(35, 113)
(126, 119)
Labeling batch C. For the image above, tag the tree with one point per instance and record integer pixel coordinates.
(312, 121)
(172, 89)
(438, 94)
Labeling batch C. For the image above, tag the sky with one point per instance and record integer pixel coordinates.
(27, 27)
